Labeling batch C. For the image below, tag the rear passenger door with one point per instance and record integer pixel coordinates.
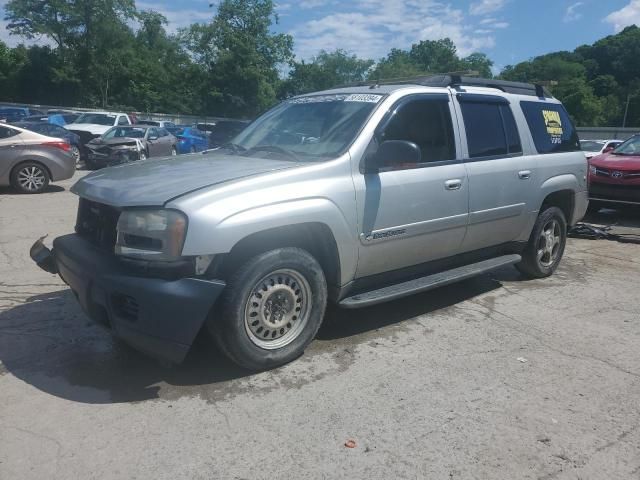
(501, 178)
(411, 213)
(10, 150)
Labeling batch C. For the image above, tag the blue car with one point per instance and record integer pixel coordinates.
(56, 131)
(54, 118)
(190, 139)
(12, 114)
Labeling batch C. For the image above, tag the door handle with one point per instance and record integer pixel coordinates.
(455, 184)
(524, 174)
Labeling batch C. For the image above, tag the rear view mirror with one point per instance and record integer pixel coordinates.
(393, 152)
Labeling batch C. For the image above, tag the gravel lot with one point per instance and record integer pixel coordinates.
(493, 378)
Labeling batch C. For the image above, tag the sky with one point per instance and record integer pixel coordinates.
(508, 31)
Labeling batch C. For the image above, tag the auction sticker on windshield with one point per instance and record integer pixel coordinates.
(342, 97)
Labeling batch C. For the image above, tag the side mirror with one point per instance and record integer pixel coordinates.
(608, 149)
(153, 137)
(393, 152)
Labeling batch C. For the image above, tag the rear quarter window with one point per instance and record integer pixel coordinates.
(551, 128)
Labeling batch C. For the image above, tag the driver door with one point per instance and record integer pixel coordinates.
(413, 213)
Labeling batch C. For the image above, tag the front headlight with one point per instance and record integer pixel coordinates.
(151, 234)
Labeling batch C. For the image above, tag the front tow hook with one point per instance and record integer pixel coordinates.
(43, 256)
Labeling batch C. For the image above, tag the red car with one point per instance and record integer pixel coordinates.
(614, 177)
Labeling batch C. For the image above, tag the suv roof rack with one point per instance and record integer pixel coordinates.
(462, 80)
(453, 80)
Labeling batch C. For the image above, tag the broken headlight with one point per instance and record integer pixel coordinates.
(151, 234)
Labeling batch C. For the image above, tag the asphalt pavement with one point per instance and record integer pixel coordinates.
(492, 378)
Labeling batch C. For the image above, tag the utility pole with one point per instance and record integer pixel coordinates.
(626, 110)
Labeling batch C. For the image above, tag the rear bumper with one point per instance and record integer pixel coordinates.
(156, 316)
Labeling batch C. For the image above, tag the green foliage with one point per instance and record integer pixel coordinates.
(326, 70)
(594, 81)
(106, 53)
(240, 56)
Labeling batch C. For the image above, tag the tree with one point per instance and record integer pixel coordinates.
(478, 62)
(435, 56)
(326, 70)
(241, 57)
(397, 64)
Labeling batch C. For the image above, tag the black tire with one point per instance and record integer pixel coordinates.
(30, 177)
(532, 265)
(174, 151)
(236, 337)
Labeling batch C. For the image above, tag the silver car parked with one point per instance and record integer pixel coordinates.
(29, 160)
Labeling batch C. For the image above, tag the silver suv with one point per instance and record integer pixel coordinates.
(354, 196)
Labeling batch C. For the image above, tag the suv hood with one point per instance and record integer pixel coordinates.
(616, 162)
(156, 181)
(89, 127)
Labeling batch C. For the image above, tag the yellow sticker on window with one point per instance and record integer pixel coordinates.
(553, 122)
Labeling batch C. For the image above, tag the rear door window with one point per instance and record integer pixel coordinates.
(490, 126)
(551, 127)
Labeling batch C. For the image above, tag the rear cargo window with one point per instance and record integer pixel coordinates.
(551, 127)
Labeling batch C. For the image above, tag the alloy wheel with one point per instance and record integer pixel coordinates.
(32, 178)
(549, 243)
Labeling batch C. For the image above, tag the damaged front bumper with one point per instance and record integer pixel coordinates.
(109, 155)
(156, 316)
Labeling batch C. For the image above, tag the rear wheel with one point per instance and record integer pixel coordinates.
(30, 177)
(75, 151)
(545, 248)
(271, 309)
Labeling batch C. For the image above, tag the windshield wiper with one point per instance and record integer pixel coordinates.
(273, 149)
(234, 147)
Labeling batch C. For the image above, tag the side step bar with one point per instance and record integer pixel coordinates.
(429, 282)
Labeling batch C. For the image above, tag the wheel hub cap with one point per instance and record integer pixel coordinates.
(277, 309)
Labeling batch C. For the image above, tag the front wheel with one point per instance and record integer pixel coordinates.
(271, 309)
(174, 152)
(545, 248)
(143, 155)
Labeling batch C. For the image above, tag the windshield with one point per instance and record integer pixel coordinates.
(591, 146)
(96, 118)
(630, 147)
(149, 122)
(316, 126)
(129, 132)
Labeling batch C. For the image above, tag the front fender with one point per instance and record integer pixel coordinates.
(230, 230)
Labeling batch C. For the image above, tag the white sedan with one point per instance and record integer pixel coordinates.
(593, 148)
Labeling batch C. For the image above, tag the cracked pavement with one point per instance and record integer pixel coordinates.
(495, 377)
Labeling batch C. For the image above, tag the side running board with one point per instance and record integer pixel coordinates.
(429, 282)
